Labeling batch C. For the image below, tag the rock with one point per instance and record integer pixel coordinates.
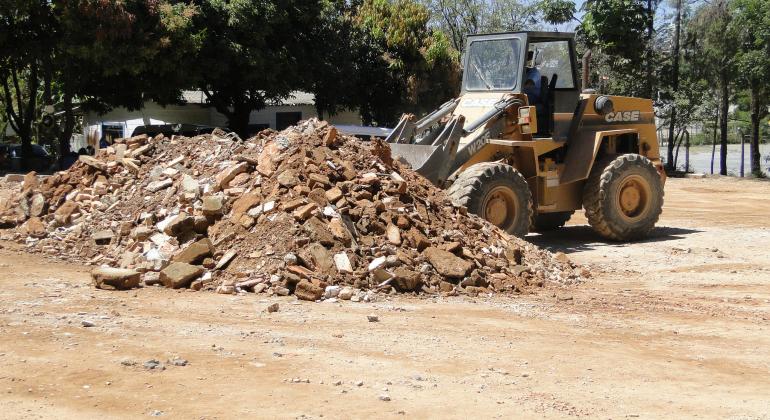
(333, 194)
(87, 323)
(561, 257)
(340, 231)
(195, 252)
(346, 293)
(156, 186)
(37, 205)
(153, 365)
(318, 232)
(273, 308)
(306, 290)
(373, 318)
(35, 228)
(318, 179)
(304, 212)
(223, 178)
(342, 263)
(393, 234)
(242, 205)
(179, 274)
(63, 215)
(212, 205)
(407, 280)
(151, 278)
(103, 237)
(115, 278)
(30, 182)
(288, 178)
(384, 397)
(190, 186)
(92, 162)
(179, 362)
(322, 259)
(141, 233)
(448, 264)
(179, 225)
(229, 255)
(377, 263)
(445, 286)
(331, 137)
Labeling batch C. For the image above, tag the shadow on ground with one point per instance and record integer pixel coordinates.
(582, 238)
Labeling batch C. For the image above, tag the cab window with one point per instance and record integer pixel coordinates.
(552, 57)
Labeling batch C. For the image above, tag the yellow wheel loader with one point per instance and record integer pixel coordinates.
(524, 147)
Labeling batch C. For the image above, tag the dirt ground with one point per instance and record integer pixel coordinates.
(677, 326)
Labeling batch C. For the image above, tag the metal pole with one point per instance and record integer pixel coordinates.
(740, 133)
(686, 151)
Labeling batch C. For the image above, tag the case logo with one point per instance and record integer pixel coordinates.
(622, 116)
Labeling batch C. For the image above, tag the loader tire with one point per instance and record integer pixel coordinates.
(496, 192)
(623, 197)
(551, 221)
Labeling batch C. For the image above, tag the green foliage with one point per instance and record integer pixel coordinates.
(252, 52)
(616, 27)
(558, 11)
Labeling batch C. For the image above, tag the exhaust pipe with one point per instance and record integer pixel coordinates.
(586, 64)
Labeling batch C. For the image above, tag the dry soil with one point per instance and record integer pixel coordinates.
(677, 326)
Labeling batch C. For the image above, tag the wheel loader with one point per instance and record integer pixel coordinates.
(524, 147)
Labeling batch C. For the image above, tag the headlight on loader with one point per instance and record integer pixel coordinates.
(528, 119)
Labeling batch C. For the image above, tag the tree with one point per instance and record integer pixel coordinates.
(133, 54)
(459, 18)
(716, 60)
(26, 36)
(751, 24)
(403, 66)
(252, 52)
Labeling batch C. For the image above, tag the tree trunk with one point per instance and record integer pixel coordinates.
(714, 143)
(674, 85)
(756, 168)
(66, 133)
(238, 119)
(724, 101)
(650, 53)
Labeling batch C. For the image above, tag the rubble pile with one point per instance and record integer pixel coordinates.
(304, 211)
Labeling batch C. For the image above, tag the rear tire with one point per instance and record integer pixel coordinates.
(623, 197)
(496, 192)
(551, 221)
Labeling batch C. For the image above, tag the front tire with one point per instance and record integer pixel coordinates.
(496, 192)
(623, 197)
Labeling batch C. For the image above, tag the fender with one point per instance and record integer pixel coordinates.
(582, 153)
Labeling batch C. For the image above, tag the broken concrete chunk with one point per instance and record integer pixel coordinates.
(229, 255)
(394, 234)
(448, 264)
(306, 290)
(115, 278)
(212, 205)
(223, 178)
(195, 252)
(103, 237)
(304, 212)
(156, 186)
(179, 274)
(342, 262)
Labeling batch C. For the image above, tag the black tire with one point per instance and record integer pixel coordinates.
(551, 221)
(495, 187)
(623, 197)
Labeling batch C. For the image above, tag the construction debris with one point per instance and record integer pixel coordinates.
(290, 212)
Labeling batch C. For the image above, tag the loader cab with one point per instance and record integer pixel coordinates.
(541, 65)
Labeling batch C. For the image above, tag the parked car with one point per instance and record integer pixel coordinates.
(188, 130)
(10, 158)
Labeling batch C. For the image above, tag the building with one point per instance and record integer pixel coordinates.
(120, 122)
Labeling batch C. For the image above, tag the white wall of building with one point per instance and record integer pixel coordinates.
(153, 113)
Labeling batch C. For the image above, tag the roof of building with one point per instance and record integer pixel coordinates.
(295, 98)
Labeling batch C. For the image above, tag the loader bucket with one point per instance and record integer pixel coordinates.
(424, 159)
